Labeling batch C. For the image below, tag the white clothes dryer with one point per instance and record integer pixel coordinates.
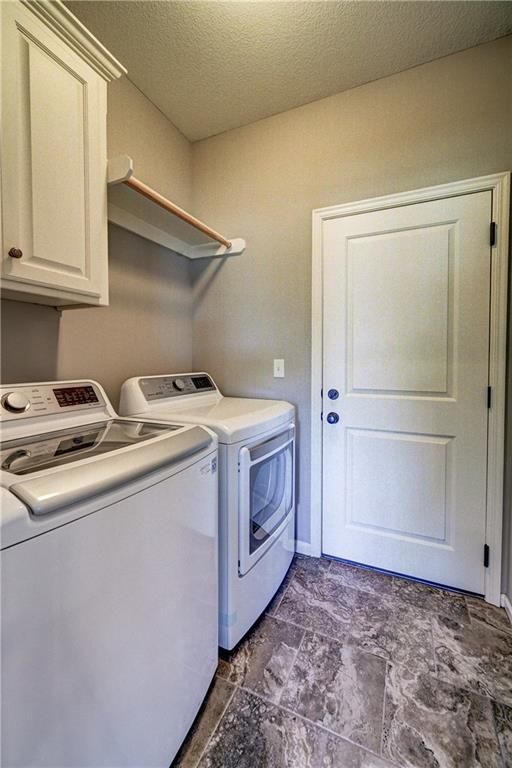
(256, 485)
(109, 569)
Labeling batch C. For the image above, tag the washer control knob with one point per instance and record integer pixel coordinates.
(15, 402)
(333, 418)
(179, 385)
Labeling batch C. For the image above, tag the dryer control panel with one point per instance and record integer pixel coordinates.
(162, 387)
(29, 400)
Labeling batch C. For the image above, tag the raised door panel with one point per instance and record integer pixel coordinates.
(399, 308)
(52, 130)
(53, 184)
(409, 496)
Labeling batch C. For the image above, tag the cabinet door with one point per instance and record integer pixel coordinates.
(54, 163)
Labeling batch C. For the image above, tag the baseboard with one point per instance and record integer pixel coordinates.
(507, 605)
(305, 548)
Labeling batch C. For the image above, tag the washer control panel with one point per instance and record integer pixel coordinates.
(31, 400)
(162, 387)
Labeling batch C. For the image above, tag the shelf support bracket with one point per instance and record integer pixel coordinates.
(119, 169)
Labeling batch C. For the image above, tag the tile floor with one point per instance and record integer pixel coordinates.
(350, 668)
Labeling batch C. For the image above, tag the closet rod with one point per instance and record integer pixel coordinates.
(162, 201)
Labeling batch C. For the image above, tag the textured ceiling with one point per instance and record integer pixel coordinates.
(215, 65)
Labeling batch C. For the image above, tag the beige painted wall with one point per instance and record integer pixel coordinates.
(446, 120)
(29, 342)
(148, 325)
(162, 155)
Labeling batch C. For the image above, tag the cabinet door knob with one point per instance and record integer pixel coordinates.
(15, 253)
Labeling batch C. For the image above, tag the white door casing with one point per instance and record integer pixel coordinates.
(406, 467)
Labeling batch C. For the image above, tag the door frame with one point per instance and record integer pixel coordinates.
(499, 185)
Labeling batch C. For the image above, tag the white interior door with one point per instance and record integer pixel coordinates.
(406, 346)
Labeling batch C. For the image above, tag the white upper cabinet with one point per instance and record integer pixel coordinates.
(54, 156)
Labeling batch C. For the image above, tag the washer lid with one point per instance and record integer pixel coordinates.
(26, 455)
(53, 487)
(232, 418)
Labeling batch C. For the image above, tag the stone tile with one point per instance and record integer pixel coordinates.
(319, 656)
(405, 637)
(257, 734)
(205, 723)
(431, 724)
(308, 569)
(489, 614)
(341, 754)
(474, 656)
(340, 687)
(361, 578)
(414, 593)
(319, 604)
(223, 667)
(262, 662)
(377, 624)
(503, 719)
(431, 598)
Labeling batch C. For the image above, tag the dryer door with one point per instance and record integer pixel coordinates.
(266, 494)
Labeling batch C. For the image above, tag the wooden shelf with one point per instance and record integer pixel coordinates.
(133, 205)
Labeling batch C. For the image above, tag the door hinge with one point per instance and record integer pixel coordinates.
(489, 396)
(486, 555)
(492, 233)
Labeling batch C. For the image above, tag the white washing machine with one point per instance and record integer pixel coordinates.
(256, 485)
(109, 580)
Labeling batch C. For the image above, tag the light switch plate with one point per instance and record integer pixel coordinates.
(279, 369)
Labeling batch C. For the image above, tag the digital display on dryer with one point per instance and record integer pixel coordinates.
(68, 396)
(202, 382)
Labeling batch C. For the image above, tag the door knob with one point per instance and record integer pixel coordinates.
(15, 253)
(333, 394)
(333, 418)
